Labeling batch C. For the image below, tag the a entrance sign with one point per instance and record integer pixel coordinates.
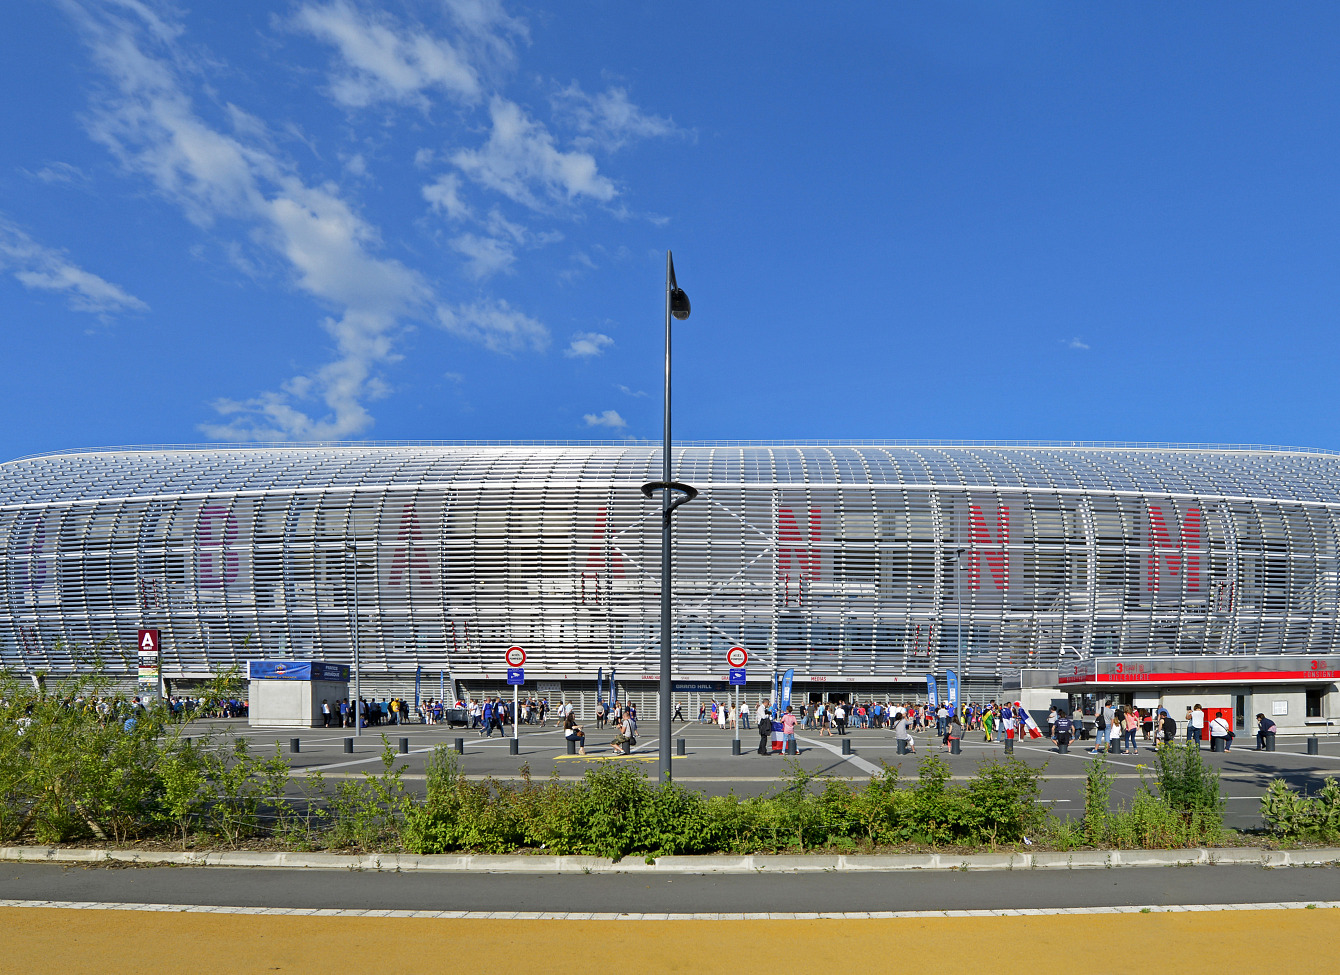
(515, 657)
(148, 654)
(737, 657)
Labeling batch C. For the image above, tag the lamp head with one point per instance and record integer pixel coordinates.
(679, 304)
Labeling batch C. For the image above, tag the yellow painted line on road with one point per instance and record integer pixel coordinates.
(58, 941)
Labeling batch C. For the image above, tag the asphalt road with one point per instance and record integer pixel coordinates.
(710, 766)
(930, 891)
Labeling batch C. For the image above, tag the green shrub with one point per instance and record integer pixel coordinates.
(1295, 817)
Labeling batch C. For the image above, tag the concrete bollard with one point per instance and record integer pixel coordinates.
(954, 746)
(348, 746)
(846, 746)
(404, 746)
(1009, 746)
(1313, 746)
(1063, 747)
(1270, 742)
(681, 746)
(572, 746)
(901, 746)
(1216, 743)
(513, 746)
(735, 746)
(459, 745)
(295, 745)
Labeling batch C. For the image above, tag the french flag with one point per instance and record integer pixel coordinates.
(1026, 721)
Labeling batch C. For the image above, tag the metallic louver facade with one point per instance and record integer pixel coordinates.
(869, 561)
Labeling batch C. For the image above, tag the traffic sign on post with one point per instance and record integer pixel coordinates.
(737, 657)
(515, 657)
(516, 675)
(737, 677)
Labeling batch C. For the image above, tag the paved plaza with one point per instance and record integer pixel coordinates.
(709, 765)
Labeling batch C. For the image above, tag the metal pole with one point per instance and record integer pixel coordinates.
(664, 696)
(358, 687)
(516, 729)
(736, 715)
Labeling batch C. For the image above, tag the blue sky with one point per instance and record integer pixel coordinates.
(447, 219)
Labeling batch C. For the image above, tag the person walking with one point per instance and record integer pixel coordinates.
(1131, 724)
(1195, 726)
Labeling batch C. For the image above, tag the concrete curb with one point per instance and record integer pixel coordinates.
(539, 864)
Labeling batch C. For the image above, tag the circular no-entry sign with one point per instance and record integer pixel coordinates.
(515, 656)
(737, 657)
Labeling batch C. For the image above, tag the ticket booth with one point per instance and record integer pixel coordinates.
(288, 693)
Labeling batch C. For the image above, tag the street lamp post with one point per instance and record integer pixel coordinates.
(676, 306)
(358, 692)
(957, 559)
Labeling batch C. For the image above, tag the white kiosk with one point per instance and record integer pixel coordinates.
(288, 693)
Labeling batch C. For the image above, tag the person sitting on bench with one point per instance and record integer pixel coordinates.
(623, 742)
(572, 731)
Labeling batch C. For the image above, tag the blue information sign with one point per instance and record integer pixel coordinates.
(737, 677)
(516, 675)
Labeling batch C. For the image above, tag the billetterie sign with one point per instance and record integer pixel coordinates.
(296, 670)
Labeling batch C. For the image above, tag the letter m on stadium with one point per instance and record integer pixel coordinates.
(1169, 561)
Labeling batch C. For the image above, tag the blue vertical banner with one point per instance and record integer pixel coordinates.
(776, 695)
(932, 691)
(786, 689)
(614, 691)
(951, 680)
(418, 678)
(600, 684)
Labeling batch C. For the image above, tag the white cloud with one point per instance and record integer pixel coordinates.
(521, 162)
(608, 120)
(42, 268)
(495, 325)
(444, 196)
(609, 419)
(485, 256)
(383, 60)
(587, 344)
(628, 391)
(145, 117)
(60, 172)
(1074, 343)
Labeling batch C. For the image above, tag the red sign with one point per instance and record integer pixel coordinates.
(148, 641)
(737, 657)
(515, 657)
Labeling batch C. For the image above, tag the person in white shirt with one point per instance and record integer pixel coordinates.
(1196, 724)
(1219, 729)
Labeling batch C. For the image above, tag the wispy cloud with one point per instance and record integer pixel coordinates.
(521, 162)
(628, 391)
(609, 418)
(584, 345)
(382, 60)
(609, 120)
(42, 268)
(59, 172)
(1075, 343)
(145, 116)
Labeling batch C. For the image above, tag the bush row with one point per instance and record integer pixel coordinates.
(68, 774)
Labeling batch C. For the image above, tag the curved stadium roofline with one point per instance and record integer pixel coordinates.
(391, 444)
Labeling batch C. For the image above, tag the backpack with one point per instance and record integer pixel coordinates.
(1099, 721)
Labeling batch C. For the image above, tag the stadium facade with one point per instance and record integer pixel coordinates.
(862, 566)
